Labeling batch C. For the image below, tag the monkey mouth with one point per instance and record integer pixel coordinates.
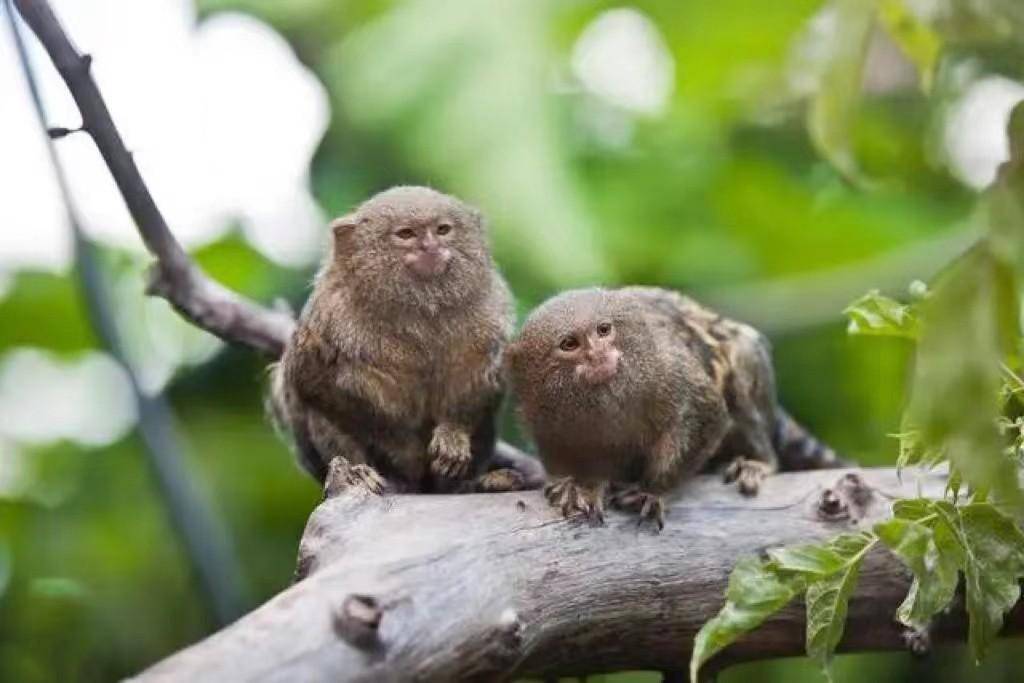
(429, 264)
(601, 370)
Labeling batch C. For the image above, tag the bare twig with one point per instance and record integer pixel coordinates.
(175, 277)
(497, 587)
(206, 543)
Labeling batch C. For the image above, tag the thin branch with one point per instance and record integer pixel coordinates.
(205, 541)
(496, 587)
(176, 278)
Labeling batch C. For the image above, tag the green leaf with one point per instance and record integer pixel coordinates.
(912, 508)
(756, 591)
(907, 539)
(914, 451)
(916, 39)
(995, 566)
(933, 555)
(877, 314)
(828, 598)
(807, 559)
(963, 340)
(969, 329)
(832, 109)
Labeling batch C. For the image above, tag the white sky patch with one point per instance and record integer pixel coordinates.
(222, 119)
(622, 58)
(975, 133)
(156, 338)
(44, 398)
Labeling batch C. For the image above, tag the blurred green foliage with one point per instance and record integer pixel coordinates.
(768, 165)
(968, 342)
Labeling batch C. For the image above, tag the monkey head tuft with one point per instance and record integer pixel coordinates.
(414, 246)
(576, 348)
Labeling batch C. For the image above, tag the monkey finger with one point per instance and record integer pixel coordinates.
(504, 479)
(450, 467)
(342, 475)
(369, 478)
(732, 472)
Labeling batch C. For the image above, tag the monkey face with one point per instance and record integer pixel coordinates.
(591, 352)
(415, 247)
(424, 247)
(576, 344)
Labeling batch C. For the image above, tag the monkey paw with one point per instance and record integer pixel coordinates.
(343, 475)
(496, 481)
(576, 502)
(450, 453)
(649, 505)
(748, 475)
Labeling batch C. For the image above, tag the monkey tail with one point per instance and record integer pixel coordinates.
(275, 403)
(798, 449)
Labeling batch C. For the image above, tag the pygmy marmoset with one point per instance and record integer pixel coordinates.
(641, 388)
(393, 374)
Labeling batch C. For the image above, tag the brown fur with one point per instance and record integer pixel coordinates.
(391, 369)
(689, 387)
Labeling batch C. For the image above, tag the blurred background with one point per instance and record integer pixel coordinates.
(774, 159)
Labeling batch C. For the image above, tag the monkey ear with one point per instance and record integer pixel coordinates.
(341, 230)
(343, 225)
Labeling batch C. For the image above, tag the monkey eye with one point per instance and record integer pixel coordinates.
(444, 228)
(405, 234)
(569, 344)
(604, 329)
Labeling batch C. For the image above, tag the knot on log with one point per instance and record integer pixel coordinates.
(58, 132)
(169, 282)
(357, 621)
(848, 499)
(510, 629)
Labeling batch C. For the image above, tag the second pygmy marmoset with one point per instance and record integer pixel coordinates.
(393, 373)
(642, 387)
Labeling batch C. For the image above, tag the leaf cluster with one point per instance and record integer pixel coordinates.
(964, 412)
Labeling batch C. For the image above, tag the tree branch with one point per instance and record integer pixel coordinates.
(490, 587)
(204, 538)
(494, 585)
(176, 278)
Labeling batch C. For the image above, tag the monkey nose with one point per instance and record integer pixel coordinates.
(428, 263)
(430, 244)
(600, 366)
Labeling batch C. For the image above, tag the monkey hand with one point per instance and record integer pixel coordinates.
(343, 475)
(648, 505)
(748, 475)
(450, 452)
(499, 480)
(576, 501)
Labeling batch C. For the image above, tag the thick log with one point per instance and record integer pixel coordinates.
(487, 587)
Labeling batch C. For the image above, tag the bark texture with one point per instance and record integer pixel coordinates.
(494, 586)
